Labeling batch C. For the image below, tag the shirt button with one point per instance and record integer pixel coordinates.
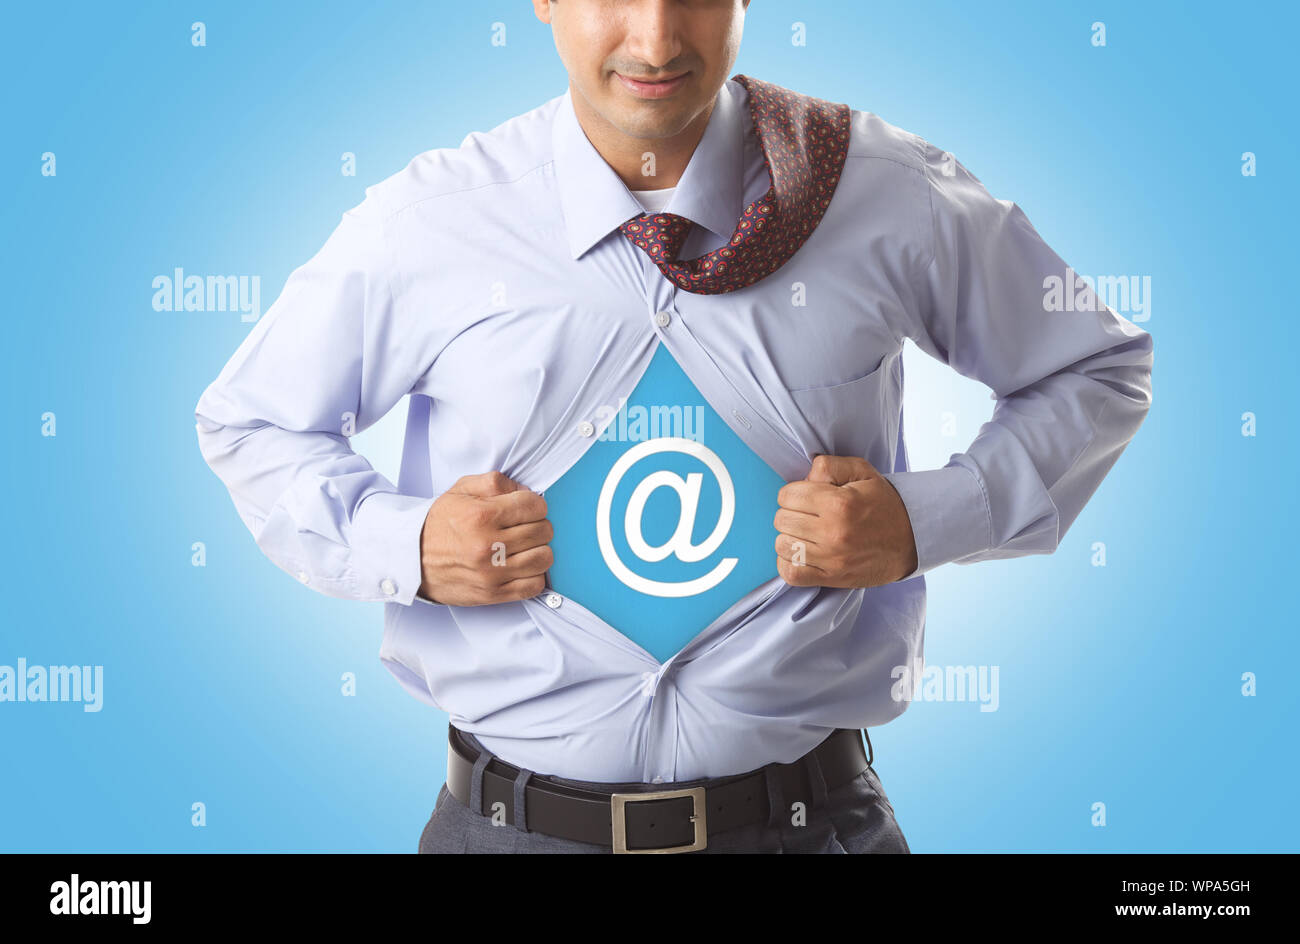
(388, 586)
(663, 319)
(586, 429)
(553, 600)
(302, 576)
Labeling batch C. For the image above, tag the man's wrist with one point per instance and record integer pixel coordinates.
(386, 546)
(422, 596)
(948, 511)
(908, 559)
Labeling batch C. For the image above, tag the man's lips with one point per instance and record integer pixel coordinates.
(643, 88)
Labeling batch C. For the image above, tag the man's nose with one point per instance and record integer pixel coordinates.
(654, 35)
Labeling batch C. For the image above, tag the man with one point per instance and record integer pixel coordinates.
(617, 678)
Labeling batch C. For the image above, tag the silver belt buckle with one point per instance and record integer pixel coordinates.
(699, 819)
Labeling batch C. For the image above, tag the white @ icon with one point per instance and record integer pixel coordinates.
(679, 545)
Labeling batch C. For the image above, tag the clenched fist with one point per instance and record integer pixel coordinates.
(843, 526)
(485, 541)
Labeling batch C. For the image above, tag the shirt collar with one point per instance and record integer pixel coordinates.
(594, 200)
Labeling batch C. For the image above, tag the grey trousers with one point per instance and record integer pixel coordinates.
(855, 817)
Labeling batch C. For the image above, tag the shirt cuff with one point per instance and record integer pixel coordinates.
(949, 513)
(386, 530)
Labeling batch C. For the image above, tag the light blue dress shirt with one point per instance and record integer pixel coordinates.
(489, 283)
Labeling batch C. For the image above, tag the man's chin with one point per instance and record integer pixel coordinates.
(654, 122)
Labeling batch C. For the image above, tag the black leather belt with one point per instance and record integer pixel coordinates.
(641, 817)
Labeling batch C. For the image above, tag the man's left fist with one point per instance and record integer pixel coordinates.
(843, 526)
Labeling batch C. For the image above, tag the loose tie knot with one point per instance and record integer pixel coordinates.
(805, 141)
(661, 235)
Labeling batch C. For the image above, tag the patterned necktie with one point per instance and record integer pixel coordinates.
(805, 141)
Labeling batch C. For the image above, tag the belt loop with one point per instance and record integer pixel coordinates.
(775, 801)
(816, 779)
(521, 804)
(476, 781)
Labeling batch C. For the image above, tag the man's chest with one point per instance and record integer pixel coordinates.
(528, 339)
(658, 423)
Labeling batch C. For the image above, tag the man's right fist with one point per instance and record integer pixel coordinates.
(485, 541)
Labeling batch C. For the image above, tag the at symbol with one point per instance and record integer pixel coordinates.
(679, 545)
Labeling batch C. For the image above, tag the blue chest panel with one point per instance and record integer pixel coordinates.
(666, 520)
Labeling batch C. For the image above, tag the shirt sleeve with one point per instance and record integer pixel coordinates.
(1071, 377)
(324, 362)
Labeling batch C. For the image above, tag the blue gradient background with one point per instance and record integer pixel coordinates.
(222, 683)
